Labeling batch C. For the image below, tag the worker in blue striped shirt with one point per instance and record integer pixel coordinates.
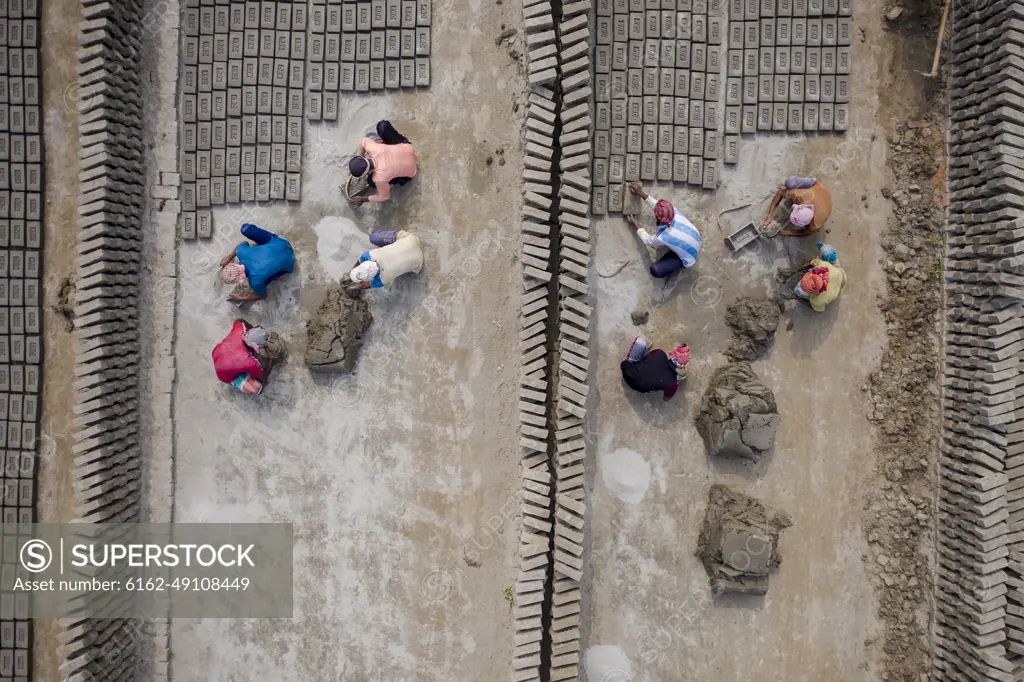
(674, 231)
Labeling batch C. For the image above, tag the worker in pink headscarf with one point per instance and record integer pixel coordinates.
(812, 205)
(647, 371)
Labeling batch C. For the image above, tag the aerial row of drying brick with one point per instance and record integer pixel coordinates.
(979, 629)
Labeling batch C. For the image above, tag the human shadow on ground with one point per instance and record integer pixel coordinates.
(740, 466)
(812, 329)
(655, 410)
(751, 602)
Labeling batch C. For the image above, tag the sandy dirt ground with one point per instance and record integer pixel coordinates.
(650, 613)
(55, 501)
(388, 474)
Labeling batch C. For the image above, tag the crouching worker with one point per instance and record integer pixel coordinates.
(822, 281)
(246, 355)
(812, 205)
(258, 265)
(398, 253)
(386, 159)
(646, 372)
(674, 231)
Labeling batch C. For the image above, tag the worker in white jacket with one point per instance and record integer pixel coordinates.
(674, 231)
(398, 253)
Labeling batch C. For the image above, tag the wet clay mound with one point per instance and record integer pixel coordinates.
(753, 322)
(739, 544)
(738, 415)
(335, 331)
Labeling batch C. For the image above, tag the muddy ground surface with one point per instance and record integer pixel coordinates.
(903, 394)
(754, 322)
(55, 502)
(334, 333)
(388, 474)
(851, 437)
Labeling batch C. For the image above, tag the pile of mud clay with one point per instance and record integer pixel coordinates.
(738, 415)
(335, 331)
(739, 544)
(753, 322)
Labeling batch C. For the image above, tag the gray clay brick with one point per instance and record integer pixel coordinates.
(828, 61)
(841, 117)
(844, 31)
(408, 70)
(814, 33)
(681, 111)
(813, 60)
(187, 225)
(713, 62)
(680, 139)
(330, 109)
(825, 116)
(733, 91)
(695, 172)
(780, 88)
(751, 62)
(829, 35)
(734, 63)
(377, 75)
(711, 115)
(648, 166)
(843, 60)
(780, 116)
(422, 72)
(810, 117)
(799, 31)
(794, 117)
(828, 89)
(798, 59)
(733, 120)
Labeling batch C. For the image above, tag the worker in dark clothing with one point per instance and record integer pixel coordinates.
(646, 372)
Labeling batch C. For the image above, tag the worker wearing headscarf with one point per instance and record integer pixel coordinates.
(812, 205)
(646, 372)
(388, 159)
(246, 355)
(398, 253)
(827, 252)
(824, 281)
(674, 231)
(258, 265)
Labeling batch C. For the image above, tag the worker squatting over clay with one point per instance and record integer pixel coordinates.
(245, 357)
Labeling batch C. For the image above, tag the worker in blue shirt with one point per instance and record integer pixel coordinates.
(258, 265)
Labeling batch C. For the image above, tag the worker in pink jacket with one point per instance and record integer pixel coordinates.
(386, 159)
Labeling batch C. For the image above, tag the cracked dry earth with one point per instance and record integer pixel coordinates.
(904, 397)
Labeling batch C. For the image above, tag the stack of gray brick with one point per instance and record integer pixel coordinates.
(787, 67)
(534, 423)
(659, 90)
(111, 203)
(575, 307)
(243, 73)
(21, 205)
(979, 625)
(535, 490)
(677, 85)
(364, 45)
(561, 100)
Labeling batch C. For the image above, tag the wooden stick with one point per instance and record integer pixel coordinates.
(938, 43)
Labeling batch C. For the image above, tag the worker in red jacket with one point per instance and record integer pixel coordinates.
(246, 355)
